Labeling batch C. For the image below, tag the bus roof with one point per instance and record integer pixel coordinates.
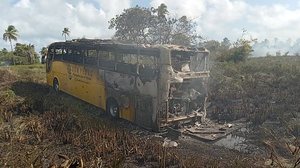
(113, 44)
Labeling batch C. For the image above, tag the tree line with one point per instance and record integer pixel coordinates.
(155, 26)
(142, 25)
(22, 53)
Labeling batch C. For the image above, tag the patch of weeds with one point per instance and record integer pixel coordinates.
(7, 97)
(8, 101)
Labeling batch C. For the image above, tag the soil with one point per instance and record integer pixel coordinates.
(6, 78)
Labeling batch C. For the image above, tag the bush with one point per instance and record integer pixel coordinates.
(259, 89)
(240, 51)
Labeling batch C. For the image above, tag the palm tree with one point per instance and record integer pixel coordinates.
(66, 32)
(30, 52)
(162, 10)
(11, 33)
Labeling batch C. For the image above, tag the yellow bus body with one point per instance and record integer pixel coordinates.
(85, 83)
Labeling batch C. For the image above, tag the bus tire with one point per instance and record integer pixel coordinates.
(112, 108)
(55, 85)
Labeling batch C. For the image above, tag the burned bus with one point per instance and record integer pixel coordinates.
(152, 86)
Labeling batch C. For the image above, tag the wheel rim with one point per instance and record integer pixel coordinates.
(113, 110)
(56, 86)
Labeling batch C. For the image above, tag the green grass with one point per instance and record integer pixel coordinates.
(32, 73)
(260, 88)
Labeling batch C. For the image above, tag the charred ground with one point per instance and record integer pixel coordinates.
(41, 128)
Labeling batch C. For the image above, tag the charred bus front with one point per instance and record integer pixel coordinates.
(184, 77)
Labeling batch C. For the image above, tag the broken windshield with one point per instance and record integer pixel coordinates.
(189, 61)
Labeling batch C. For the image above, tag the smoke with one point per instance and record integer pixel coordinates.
(5, 63)
(276, 47)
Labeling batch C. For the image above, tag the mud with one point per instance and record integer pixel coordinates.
(239, 141)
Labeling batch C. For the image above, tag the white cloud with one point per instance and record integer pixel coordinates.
(41, 22)
(226, 10)
(113, 7)
(191, 8)
(218, 19)
(213, 17)
(274, 17)
(23, 4)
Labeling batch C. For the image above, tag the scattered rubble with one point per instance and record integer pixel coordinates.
(211, 131)
(169, 144)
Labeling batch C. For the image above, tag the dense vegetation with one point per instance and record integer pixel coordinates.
(153, 26)
(268, 86)
(266, 92)
(21, 54)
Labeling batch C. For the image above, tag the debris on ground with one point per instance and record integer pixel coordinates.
(211, 131)
(169, 144)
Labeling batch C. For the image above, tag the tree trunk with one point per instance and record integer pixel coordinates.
(29, 59)
(10, 45)
(13, 60)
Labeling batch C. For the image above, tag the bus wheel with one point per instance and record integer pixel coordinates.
(112, 108)
(55, 85)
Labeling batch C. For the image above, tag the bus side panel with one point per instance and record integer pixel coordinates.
(121, 87)
(144, 113)
(128, 108)
(84, 83)
(95, 91)
(87, 84)
(59, 71)
(134, 96)
(49, 78)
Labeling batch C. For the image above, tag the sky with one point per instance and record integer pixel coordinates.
(40, 22)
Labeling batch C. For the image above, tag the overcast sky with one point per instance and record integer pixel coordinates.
(41, 22)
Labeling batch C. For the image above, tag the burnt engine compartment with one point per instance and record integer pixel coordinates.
(186, 98)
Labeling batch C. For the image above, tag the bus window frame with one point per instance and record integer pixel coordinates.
(58, 54)
(68, 57)
(90, 60)
(50, 54)
(111, 59)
